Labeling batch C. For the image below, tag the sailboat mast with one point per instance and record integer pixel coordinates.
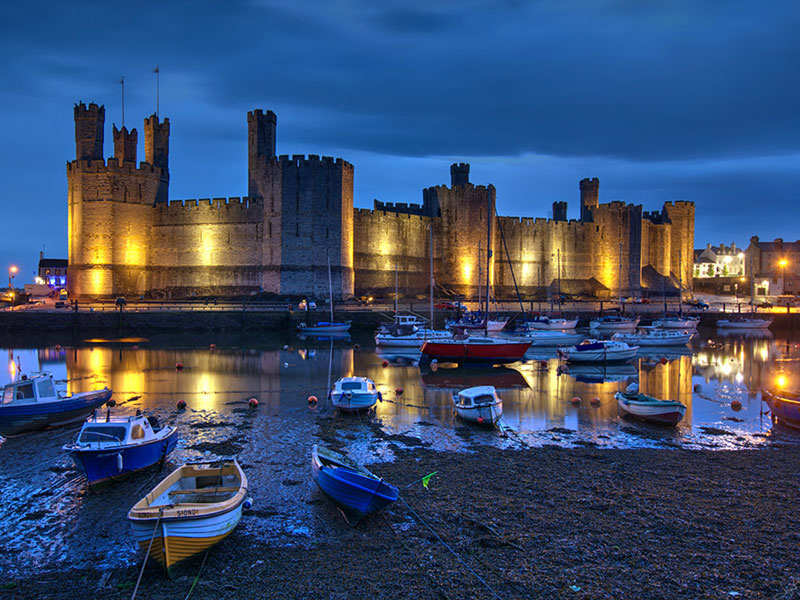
(680, 284)
(620, 277)
(395, 289)
(330, 287)
(488, 259)
(431, 298)
(480, 276)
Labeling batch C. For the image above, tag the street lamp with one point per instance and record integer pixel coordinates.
(783, 264)
(12, 270)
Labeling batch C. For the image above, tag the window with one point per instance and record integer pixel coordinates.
(46, 388)
(137, 433)
(102, 434)
(25, 391)
(351, 385)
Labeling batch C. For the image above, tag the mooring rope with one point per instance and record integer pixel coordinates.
(147, 555)
(197, 578)
(453, 552)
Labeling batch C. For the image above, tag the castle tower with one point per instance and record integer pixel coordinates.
(459, 174)
(125, 144)
(589, 198)
(261, 130)
(559, 211)
(110, 208)
(89, 121)
(156, 152)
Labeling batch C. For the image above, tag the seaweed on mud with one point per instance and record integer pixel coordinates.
(210, 424)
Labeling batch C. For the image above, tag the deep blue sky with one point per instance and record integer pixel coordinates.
(672, 100)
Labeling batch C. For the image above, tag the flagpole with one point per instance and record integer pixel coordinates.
(122, 83)
(158, 85)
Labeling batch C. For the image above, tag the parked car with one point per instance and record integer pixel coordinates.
(697, 303)
(761, 304)
(449, 306)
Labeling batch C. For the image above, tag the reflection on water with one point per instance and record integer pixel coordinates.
(44, 504)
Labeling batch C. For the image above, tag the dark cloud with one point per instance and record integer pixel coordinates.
(613, 88)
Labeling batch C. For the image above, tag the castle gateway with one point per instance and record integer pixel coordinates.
(128, 238)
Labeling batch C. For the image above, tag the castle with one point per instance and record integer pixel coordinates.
(128, 238)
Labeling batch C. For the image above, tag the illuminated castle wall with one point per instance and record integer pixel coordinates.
(127, 238)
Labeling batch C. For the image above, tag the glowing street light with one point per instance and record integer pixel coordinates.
(783, 262)
(12, 270)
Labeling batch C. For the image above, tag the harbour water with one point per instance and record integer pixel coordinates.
(48, 518)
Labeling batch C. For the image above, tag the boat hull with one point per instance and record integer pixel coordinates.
(102, 465)
(663, 413)
(177, 540)
(463, 351)
(329, 328)
(599, 356)
(356, 494)
(784, 410)
(677, 323)
(643, 340)
(553, 325)
(354, 401)
(21, 418)
(484, 414)
(414, 340)
(745, 324)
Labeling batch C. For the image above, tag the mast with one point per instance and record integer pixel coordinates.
(395, 290)
(431, 298)
(488, 258)
(620, 277)
(558, 255)
(680, 284)
(330, 287)
(480, 276)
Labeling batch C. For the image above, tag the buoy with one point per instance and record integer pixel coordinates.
(58, 346)
(434, 367)
(286, 346)
(312, 399)
(285, 365)
(181, 404)
(178, 366)
(248, 504)
(698, 387)
(576, 400)
(595, 401)
(356, 346)
(480, 420)
(111, 402)
(135, 346)
(213, 346)
(399, 391)
(736, 406)
(435, 361)
(385, 364)
(663, 360)
(119, 462)
(253, 403)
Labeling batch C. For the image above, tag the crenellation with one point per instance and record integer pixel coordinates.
(128, 237)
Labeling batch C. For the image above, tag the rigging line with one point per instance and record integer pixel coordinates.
(147, 555)
(453, 552)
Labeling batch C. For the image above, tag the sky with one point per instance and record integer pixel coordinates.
(691, 100)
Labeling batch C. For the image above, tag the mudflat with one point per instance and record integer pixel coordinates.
(545, 522)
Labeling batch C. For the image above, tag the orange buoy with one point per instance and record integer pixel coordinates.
(399, 391)
(312, 399)
(178, 366)
(576, 400)
(736, 406)
(663, 360)
(213, 346)
(58, 346)
(595, 401)
(385, 364)
(111, 402)
(181, 404)
(253, 403)
(480, 420)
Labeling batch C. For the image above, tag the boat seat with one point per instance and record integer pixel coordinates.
(208, 490)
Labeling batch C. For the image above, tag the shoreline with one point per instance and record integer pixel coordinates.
(542, 522)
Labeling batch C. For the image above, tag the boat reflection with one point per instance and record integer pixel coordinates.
(502, 378)
(408, 357)
(753, 334)
(325, 336)
(599, 373)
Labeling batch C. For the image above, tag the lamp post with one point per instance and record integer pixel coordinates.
(783, 264)
(12, 270)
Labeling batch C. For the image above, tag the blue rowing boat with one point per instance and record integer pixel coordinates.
(109, 448)
(33, 403)
(355, 490)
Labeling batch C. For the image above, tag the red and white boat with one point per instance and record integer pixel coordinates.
(476, 349)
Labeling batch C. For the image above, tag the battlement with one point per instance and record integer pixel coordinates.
(680, 203)
(370, 213)
(298, 160)
(232, 203)
(399, 207)
(656, 217)
(89, 122)
(459, 174)
(111, 165)
(257, 114)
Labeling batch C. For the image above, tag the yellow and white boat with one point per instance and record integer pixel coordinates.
(192, 509)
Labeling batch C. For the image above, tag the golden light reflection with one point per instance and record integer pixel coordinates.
(467, 272)
(780, 380)
(133, 253)
(99, 282)
(206, 247)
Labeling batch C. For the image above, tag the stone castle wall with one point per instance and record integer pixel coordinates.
(126, 238)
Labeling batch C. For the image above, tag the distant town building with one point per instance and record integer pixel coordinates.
(720, 261)
(128, 238)
(52, 271)
(775, 266)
